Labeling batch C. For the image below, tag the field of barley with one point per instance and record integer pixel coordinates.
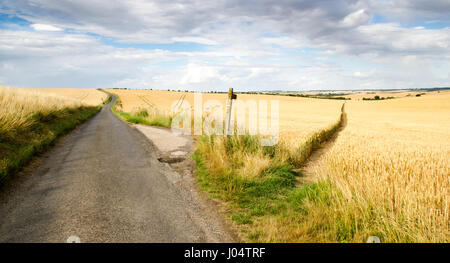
(387, 173)
(90, 97)
(392, 165)
(31, 120)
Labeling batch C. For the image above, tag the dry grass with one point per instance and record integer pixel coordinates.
(259, 183)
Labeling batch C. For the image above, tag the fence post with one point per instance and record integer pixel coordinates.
(230, 99)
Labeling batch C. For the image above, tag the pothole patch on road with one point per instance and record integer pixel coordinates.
(171, 159)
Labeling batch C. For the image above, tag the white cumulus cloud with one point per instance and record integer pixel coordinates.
(44, 27)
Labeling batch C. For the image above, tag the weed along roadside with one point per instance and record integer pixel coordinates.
(35, 124)
(259, 186)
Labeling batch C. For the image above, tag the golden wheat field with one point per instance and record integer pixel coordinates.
(392, 163)
(17, 105)
(31, 120)
(90, 97)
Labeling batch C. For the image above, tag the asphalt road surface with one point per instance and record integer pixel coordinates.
(103, 183)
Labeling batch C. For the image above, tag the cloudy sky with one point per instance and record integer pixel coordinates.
(213, 45)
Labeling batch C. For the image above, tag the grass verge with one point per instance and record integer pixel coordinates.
(148, 116)
(258, 186)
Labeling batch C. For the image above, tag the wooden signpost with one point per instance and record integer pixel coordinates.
(231, 97)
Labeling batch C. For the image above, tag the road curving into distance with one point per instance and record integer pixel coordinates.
(103, 183)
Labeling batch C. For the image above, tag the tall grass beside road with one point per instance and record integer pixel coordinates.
(258, 184)
(31, 121)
